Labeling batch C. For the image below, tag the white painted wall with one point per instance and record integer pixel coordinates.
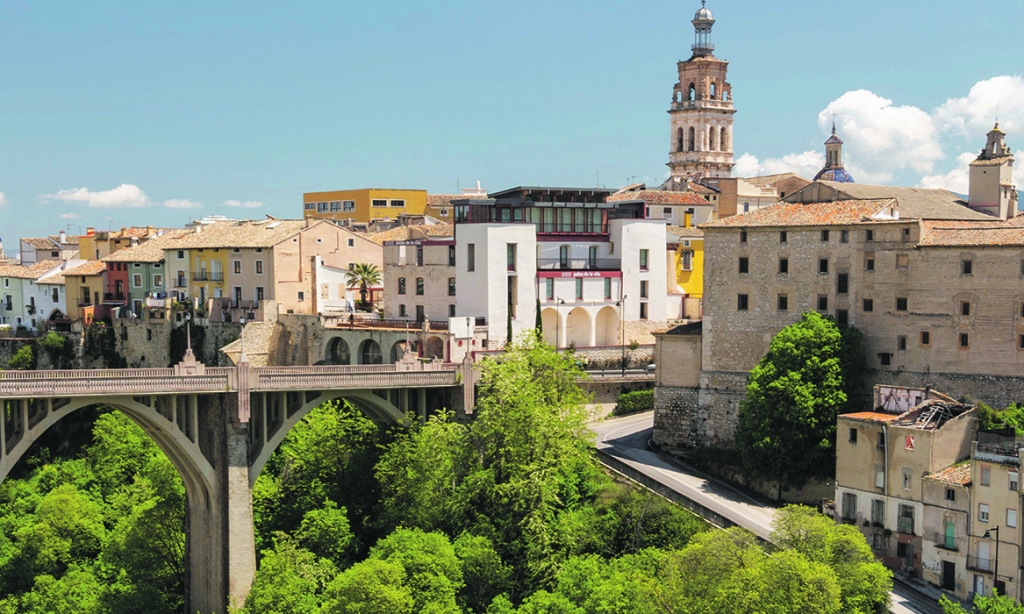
(631, 236)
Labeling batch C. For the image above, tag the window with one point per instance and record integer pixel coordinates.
(852, 436)
(1020, 342)
(397, 203)
(881, 441)
(136, 281)
(842, 317)
(549, 285)
(986, 475)
(901, 304)
(335, 206)
(510, 256)
(782, 236)
(471, 257)
(905, 235)
(844, 236)
(687, 261)
(451, 286)
(158, 280)
(643, 289)
(420, 313)
(743, 239)
(378, 203)
(950, 494)
(902, 261)
(965, 341)
(783, 265)
(181, 254)
(237, 264)
(451, 255)
(348, 205)
(869, 261)
(869, 305)
(259, 250)
(982, 512)
(879, 475)
(966, 267)
(907, 478)
(849, 506)
(419, 286)
(869, 235)
(643, 311)
(563, 256)
(301, 296)
(908, 442)
(607, 287)
(401, 311)
(451, 311)
(401, 285)
(744, 265)
(742, 302)
(926, 337)
(310, 206)
(321, 207)
(822, 302)
(579, 288)
(878, 511)
(1011, 518)
(965, 308)
(259, 293)
(643, 260)
(419, 256)
(1014, 481)
(666, 212)
(885, 358)
(351, 242)
(783, 302)
(823, 265)
(259, 267)
(843, 283)
(877, 541)
(592, 257)
(824, 236)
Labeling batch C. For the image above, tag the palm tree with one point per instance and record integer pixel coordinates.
(362, 275)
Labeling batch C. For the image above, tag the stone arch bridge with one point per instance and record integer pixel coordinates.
(218, 426)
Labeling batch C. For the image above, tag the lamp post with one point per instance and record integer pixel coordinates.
(988, 535)
(622, 330)
(241, 354)
(407, 319)
(558, 319)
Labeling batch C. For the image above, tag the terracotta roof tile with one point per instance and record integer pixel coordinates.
(149, 251)
(991, 161)
(972, 234)
(772, 179)
(444, 200)
(32, 271)
(244, 233)
(660, 197)
(405, 233)
(93, 267)
(783, 214)
(684, 232)
(959, 474)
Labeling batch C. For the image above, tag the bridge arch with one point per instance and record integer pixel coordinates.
(274, 414)
(338, 352)
(369, 353)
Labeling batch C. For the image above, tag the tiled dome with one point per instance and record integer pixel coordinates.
(838, 175)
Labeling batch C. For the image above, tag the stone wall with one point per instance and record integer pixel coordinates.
(640, 357)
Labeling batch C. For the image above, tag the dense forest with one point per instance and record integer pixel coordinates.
(508, 512)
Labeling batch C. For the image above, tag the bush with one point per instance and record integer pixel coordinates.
(633, 402)
(23, 360)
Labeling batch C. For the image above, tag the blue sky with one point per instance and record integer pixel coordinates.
(134, 113)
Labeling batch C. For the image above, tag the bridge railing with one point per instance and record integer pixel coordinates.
(349, 379)
(106, 381)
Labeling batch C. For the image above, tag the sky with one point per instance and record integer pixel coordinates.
(126, 113)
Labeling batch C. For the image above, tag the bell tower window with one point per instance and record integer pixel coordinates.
(693, 138)
(712, 90)
(711, 138)
(681, 146)
(693, 93)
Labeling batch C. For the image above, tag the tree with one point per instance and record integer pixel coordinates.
(325, 532)
(23, 360)
(433, 572)
(787, 423)
(485, 575)
(363, 275)
(290, 580)
(372, 586)
(995, 604)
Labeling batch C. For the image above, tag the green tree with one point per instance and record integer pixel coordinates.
(787, 423)
(59, 349)
(23, 360)
(290, 580)
(433, 572)
(864, 582)
(485, 575)
(325, 532)
(995, 604)
(372, 586)
(363, 275)
(76, 592)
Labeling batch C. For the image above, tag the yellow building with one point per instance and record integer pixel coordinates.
(364, 205)
(94, 244)
(208, 266)
(686, 257)
(84, 288)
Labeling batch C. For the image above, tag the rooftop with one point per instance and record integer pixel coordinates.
(786, 214)
(771, 180)
(685, 233)
(917, 203)
(418, 231)
(973, 234)
(92, 267)
(958, 474)
(148, 251)
(51, 242)
(659, 197)
(693, 328)
(243, 234)
(33, 271)
(871, 416)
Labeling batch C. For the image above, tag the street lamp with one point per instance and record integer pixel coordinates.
(241, 354)
(621, 304)
(407, 319)
(558, 319)
(988, 535)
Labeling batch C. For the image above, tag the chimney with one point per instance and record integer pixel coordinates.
(687, 219)
(63, 237)
(90, 231)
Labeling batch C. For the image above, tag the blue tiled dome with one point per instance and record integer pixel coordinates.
(838, 175)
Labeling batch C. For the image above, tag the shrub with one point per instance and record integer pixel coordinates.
(633, 402)
(23, 360)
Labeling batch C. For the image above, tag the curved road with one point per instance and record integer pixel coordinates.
(626, 439)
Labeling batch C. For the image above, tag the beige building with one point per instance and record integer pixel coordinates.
(995, 505)
(738, 195)
(947, 516)
(419, 272)
(60, 246)
(882, 460)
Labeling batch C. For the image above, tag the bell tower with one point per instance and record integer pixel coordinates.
(701, 112)
(991, 178)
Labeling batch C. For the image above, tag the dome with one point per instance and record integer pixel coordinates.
(839, 175)
(703, 15)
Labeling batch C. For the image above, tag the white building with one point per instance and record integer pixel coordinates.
(594, 268)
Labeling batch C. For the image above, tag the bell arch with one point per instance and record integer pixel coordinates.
(274, 414)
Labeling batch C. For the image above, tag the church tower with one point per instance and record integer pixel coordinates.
(991, 178)
(833, 169)
(701, 112)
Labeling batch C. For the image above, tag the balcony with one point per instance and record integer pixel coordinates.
(579, 264)
(84, 303)
(208, 276)
(946, 542)
(979, 564)
(113, 297)
(181, 282)
(905, 525)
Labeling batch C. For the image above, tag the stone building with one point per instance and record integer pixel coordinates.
(935, 286)
(419, 272)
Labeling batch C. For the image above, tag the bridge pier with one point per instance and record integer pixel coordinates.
(219, 530)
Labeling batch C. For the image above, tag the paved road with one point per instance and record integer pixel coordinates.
(626, 438)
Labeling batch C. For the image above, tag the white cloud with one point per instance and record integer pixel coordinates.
(245, 204)
(880, 137)
(955, 180)
(805, 164)
(3, 201)
(124, 195)
(182, 203)
(973, 115)
(71, 216)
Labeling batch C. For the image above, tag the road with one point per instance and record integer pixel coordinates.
(626, 438)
